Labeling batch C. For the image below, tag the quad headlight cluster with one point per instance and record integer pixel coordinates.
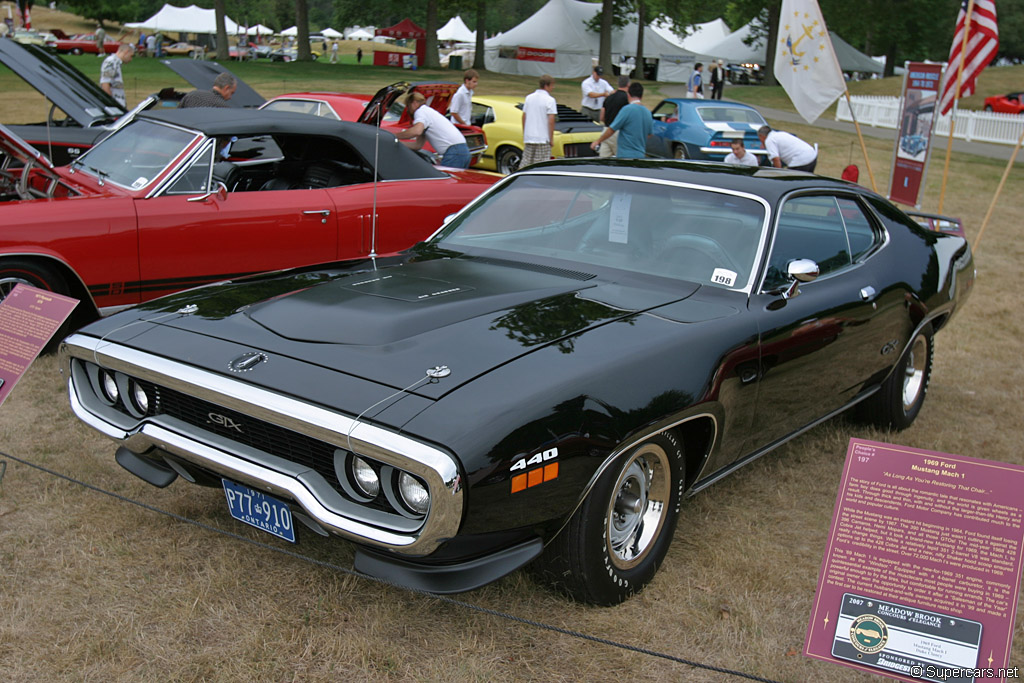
(122, 392)
(367, 480)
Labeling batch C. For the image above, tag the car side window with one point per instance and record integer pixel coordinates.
(196, 179)
(859, 230)
(482, 114)
(809, 227)
(666, 111)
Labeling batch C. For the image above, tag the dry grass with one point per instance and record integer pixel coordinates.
(95, 589)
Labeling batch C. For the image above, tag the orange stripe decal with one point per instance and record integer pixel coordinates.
(518, 483)
(536, 477)
(551, 471)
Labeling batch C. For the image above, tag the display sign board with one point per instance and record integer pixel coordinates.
(28, 318)
(919, 580)
(917, 121)
(535, 54)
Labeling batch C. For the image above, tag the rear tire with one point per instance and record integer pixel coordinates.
(897, 403)
(615, 541)
(679, 152)
(509, 159)
(988, 107)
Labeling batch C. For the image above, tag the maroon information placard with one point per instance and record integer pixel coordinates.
(28, 318)
(919, 580)
(913, 142)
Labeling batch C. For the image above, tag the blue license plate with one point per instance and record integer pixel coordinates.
(259, 510)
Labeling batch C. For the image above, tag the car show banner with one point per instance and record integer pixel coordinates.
(917, 121)
(535, 54)
(28, 319)
(920, 576)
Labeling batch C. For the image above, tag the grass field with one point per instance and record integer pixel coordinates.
(92, 588)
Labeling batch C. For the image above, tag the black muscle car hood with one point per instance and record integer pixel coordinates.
(391, 325)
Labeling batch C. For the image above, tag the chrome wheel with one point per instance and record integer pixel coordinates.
(638, 507)
(9, 283)
(915, 372)
(509, 160)
(679, 152)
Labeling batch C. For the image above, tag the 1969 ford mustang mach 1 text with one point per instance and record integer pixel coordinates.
(549, 375)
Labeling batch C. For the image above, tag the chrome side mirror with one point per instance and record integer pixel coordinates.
(800, 270)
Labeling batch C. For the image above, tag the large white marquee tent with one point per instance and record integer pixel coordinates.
(189, 19)
(696, 38)
(556, 41)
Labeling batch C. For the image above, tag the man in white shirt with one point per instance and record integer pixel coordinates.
(787, 150)
(739, 155)
(461, 107)
(429, 125)
(595, 89)
(111, 79)
(539, 112)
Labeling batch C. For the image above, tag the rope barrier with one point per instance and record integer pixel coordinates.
(351, 572)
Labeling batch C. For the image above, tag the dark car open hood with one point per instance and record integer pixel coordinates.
(200, 74)
(390, 326)
(65, 86)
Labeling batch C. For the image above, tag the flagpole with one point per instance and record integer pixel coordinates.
(863, 148)
(956, 98)
(1009, 165)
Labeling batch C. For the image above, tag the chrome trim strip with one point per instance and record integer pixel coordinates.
(435, 467)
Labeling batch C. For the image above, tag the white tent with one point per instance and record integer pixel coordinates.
(556, 41)
(259, 30)
(290, 31)
(359, 34)
(457, 31)
(332, 34)
(733, 47)
(696, 37)
(189, 19)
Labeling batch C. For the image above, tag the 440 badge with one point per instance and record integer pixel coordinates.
(907, 640)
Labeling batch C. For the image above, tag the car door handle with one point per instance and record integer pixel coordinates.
(324, 213)
(867, 293)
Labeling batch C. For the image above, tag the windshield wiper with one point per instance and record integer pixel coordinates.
(102, 175)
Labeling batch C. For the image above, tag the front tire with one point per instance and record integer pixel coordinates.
(897, 403)
(509, 159)
(615, 541)
(20, 271)
(988, 107)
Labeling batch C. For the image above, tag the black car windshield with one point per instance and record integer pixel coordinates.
(730, 115)
(699, 235)
(135, 155)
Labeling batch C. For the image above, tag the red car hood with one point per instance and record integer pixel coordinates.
(438, 96)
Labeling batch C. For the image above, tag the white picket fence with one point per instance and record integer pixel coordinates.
(978, 126)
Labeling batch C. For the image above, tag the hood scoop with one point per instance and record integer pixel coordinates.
(395, 285)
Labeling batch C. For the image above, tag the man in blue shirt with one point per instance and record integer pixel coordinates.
(633, 123)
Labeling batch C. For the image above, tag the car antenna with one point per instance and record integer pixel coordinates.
(376, 178)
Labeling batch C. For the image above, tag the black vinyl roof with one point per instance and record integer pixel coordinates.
(395, 160)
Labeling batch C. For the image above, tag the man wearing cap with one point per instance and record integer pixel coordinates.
(595, 89)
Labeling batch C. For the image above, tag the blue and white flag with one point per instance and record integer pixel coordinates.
(805, 62)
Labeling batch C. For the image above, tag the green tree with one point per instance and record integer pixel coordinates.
(302, 25)
(104, 10)
(222, 34)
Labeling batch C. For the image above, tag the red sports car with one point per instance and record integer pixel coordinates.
(1010, 103)
(386, 107)
(184, 197)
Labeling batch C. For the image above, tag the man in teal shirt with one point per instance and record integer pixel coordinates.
(634, 123)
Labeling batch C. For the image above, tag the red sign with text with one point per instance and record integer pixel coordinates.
(919, 580)
(913, 142)
(535, 54)
(28, 318)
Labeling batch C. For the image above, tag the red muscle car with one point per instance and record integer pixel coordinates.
(1010, 103)
(185, 197)
(84, 43)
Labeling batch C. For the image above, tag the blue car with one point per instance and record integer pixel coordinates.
(913, 144)
(703, 129)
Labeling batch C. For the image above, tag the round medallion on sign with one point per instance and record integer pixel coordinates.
(868, 633)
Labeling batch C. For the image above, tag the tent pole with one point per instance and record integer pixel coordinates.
(863, 147)
(1009, 165)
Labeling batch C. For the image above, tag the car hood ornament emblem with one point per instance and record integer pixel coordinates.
(247, 361)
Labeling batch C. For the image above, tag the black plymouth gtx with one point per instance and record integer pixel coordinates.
(546, 377)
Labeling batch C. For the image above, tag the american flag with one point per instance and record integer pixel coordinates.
(982, 45)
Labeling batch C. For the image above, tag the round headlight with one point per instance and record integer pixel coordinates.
(414, 493)
(366, 477)
(109, 385)
(140, 397)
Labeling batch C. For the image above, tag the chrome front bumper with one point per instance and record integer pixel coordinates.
(261, 470)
